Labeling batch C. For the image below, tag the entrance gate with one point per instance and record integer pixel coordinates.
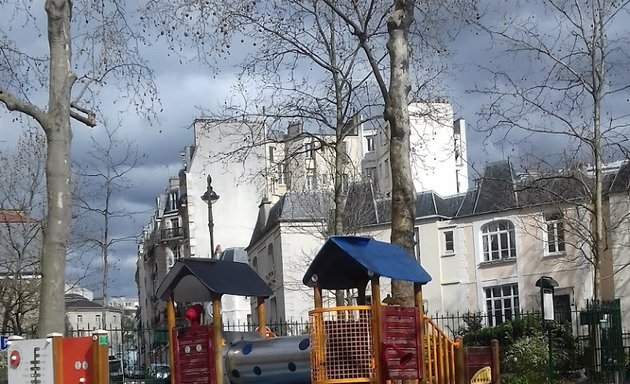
(605, 357)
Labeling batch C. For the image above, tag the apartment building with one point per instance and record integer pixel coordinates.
(291, 227)
(486, 249)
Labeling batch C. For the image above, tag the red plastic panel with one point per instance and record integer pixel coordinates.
(194, 355)
(77, 359)
(399, 333)
(476, 358)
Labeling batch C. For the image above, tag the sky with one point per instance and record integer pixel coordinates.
(187, 89)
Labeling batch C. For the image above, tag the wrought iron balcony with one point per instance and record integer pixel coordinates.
(172, 233)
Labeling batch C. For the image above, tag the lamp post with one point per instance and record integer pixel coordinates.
(210, 197)
(547, 286)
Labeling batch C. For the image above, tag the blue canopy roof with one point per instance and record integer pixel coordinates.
(346, 262)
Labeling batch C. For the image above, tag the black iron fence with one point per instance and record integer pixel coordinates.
(143, 354)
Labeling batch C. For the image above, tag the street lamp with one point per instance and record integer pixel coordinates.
(210, 197)
(547, 285)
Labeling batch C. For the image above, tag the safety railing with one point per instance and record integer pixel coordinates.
(342, 345)
(439, 354)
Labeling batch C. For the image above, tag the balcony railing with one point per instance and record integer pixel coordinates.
(172, 233)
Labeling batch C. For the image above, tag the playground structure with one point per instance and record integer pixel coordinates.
(58, 360)
(364, 343)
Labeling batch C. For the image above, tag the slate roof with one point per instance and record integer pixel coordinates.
(292, 206)
(499, 189)
(74, 301)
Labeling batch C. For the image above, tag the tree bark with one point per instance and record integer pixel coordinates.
(56, 125)
(397, 115)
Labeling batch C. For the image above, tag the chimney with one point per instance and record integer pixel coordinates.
(294, 129)
(263, 211)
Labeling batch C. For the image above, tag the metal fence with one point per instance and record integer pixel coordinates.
(142, 354)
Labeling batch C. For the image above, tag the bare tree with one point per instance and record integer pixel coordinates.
(107, 47)
(22, 208)
(105, 174)
(396, 115)
(560, 85)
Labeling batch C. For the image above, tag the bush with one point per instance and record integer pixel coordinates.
(528, 357)
(566, 352)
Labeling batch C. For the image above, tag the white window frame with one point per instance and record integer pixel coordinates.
(417, 246)
(79, 319)
(553, 226)
(445, 242)
(309, 150)
(496, 297)
(505, 239)
(310, 182)
(370, 142)
(281, 176)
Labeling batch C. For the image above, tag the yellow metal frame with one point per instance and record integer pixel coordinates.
(440, 364)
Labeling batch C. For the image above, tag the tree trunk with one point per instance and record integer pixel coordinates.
(56, 125)
(597, 73)
(397, 115)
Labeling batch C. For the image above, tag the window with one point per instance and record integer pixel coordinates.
(175, 227)
(272, 261)
(370, 173)
(498, 240)
(416, 241)
(457, 181)
(271, 150)
(177, 252)
(562, 308)
(370, 143)
(255, 264)
(458, 151)
(98, 320)
(554, 234)
(324, 179)
(309, 151)
(281, 178)
(79, 319)
(310, 182)
(448, 243)
(502, 303)
(171, 201)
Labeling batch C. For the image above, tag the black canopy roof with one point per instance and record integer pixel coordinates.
(202, 279)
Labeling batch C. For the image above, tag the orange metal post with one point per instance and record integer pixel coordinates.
(459, 361)
(260, 309)
(376, 327)
(417, 289)
(57, 357)
(217, 339)
(318, 298)
(170, 321)
(496, 367)
(100, 359)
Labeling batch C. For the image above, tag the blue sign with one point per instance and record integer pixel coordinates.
(4, 342)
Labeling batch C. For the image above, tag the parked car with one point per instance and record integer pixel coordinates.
(134, 371)
(115, 369)
(160, 371)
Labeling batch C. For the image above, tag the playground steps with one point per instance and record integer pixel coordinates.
(439, 354)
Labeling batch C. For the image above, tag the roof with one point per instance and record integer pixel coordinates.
(346, 262)
(293, 206)
(75, 301)
(14, 216)
(204, 279)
